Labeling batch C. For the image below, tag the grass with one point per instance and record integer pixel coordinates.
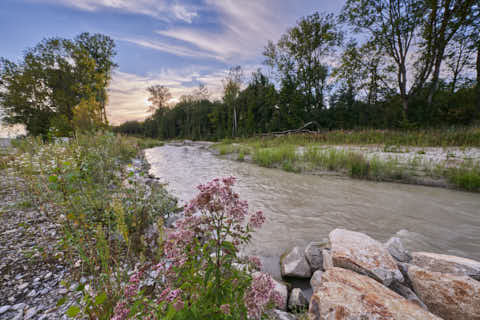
(282, 153)
(285, 156)
(450, 137)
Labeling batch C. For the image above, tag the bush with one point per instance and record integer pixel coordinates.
(201, 273)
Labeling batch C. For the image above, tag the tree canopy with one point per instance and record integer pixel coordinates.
(59, 85)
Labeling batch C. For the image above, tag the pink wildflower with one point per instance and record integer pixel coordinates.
(121, 311)
(256, 220)
(225, 308)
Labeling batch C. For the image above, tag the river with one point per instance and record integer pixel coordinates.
(302, 208)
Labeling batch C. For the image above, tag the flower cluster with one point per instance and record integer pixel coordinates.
(260, 295)
(199, 254)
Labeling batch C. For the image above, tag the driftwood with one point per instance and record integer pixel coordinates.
(302, 129)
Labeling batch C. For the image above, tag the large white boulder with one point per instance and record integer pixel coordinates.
(345, 294)
(358, 252)
(449, 296)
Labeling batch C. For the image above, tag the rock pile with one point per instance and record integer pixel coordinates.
(30, 271)
(356, 277)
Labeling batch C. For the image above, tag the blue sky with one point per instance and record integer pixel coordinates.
(174, 43)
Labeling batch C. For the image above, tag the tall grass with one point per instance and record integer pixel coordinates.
(450, 137)
(283, 156)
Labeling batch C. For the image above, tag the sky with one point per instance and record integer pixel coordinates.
(176, 43)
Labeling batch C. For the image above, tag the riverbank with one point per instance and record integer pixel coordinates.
(60, 246)
(455, 165)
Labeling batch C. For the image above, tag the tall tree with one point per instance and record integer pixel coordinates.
(441, 21)
(231, 88)
(159, 96)
(301, 56)
(101, 48)
(392, 25)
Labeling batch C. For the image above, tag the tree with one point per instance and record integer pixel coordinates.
(442, 19)
(363, 71)
(459, 56)
(52, 79)
(101, 48)
(300, 57)
(231, 88)
(392, 25)
(159, 96)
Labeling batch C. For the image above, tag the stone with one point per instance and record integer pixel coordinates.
(22, 286)
(30, 313)
(407, 293)
(447, 264)
(316, 279)
(452, 297)
(297, 301)
(360, 253)
(294, 264)
(395, 247)
(19, 316)
(4, 309)
(314, 256)
(345, 294)
(327, 259)
(280, 315)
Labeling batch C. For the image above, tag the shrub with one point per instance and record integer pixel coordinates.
(201, 277)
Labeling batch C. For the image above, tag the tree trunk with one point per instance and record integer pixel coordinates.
(436, 75)
(478, 79)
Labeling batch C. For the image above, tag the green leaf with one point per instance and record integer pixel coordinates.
(73, 311)
(53, 178)
(100, 299)
(61, 301)
(80, 287)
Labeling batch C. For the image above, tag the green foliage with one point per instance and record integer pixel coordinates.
(104, 212)
(54, 78)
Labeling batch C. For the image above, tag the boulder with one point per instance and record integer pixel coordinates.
(407, 293)
(447, 264)
(327, 259)
(358, 252)
(297, 302)
(452, 297)
(345, 294)
(316, 279)
(294, 264)
(395, 247)
(314, 256)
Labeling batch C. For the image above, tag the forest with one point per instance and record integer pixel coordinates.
(378, 64)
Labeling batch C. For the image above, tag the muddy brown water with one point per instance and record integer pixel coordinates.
(303, 208)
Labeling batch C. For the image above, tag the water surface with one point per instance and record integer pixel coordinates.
(303, 208)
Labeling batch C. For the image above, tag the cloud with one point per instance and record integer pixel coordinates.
(128, 97)
(184, 13)
(245, 28)
(159, 9)
(169, 48)
(128, 92)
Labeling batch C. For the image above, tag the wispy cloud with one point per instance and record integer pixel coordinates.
(246, 26)
(169, 48)
(160, 9)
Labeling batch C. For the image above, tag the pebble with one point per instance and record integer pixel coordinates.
(31, 313)
(4, 309)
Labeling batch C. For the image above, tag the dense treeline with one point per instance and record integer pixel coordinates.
(418, 65)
